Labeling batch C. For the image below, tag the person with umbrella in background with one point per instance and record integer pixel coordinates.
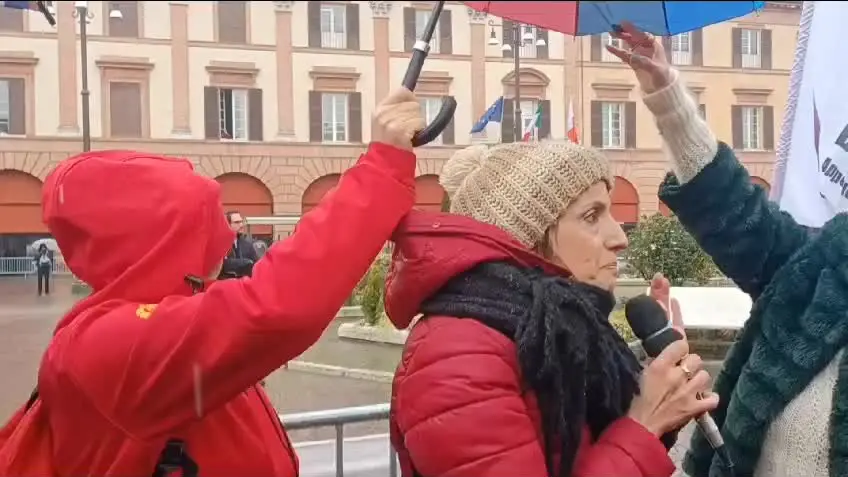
(43, 261)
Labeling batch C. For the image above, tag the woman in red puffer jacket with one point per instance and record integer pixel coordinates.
(514, 368)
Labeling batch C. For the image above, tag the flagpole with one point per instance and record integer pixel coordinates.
(518, 130)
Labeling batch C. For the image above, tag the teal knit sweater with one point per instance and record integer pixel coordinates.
(799, 320)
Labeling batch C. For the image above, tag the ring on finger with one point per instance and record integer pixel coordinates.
(688, 372)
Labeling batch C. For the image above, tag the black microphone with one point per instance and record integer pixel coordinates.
(651, 325)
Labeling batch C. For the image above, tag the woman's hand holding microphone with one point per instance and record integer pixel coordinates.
(674, 390)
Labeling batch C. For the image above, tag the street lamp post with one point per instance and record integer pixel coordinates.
(514, 44)
(84, 15)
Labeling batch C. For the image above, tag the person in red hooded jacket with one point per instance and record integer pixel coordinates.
(513, 368)
(147, 376)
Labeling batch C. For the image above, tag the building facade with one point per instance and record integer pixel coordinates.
(274, 98)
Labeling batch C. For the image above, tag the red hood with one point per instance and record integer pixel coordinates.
(431, 248)
(132, 225)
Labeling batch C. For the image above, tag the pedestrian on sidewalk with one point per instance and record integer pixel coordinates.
(157, 371)
(43, 261)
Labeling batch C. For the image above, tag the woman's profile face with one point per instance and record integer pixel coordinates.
(587, 239)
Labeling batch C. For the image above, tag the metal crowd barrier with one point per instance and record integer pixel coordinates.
(24, 266)
(337, 418)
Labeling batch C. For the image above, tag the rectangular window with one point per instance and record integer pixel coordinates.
(333, 26)
(421, 19)
(430, 107)
(334, 120)
(751, 49)
(752, 128)
(234, 114)
(528, 118)
(681, 49)
(5, 109)
(529, 35)
(607, 39)
(612, 120)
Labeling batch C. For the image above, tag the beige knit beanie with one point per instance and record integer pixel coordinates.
(521, 187)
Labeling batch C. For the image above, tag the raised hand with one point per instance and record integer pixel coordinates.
(661, 291)
(397, 118)
(645, 55)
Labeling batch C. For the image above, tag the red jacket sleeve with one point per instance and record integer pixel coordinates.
(458, 404)
(625, 449)
(194, 354)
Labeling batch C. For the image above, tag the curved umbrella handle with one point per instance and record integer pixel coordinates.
(419, 53)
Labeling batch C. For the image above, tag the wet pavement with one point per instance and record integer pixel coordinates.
(347, 353)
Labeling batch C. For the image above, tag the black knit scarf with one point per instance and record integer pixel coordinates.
(581, 371)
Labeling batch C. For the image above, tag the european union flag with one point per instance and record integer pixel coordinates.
(494, 114)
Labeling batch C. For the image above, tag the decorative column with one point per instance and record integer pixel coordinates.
(479, 98)
(66, 28)
(285, 73)
(382, 55)
(180, 87)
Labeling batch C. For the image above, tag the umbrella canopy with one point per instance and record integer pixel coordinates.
(590, 18)
(48, 242)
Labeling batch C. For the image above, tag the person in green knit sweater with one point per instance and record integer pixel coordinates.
(784, 385)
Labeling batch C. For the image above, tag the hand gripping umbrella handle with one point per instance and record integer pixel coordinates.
(419, 53)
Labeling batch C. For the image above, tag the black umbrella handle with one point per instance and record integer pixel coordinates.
(419, 53)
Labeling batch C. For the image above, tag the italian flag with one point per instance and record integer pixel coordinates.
(534, 126)
(573, 134)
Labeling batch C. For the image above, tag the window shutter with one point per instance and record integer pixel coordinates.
(698, 47)
(596, 47)
(254, 110)
(125, 109)
(128, 25)
(354, 116)
(702, 108)
(630, 125)
(211, 112)
(545, 128)
(765, 49)
(232, 22)
(597, 120)
(768, 128)
(408, 28)
(737, 47)
(449, 134)
(314, 19)
(446, 33)
(17, 105)
(508, 123)
(316, 133)
(352, 19)
(542, 51)
(736, 125)
(666, 43)
(507, 37)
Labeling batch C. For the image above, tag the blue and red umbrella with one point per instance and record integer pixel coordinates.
(593, 17)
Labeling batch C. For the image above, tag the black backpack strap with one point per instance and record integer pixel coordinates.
(174, 458)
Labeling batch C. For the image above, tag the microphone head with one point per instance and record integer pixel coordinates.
(645, 316)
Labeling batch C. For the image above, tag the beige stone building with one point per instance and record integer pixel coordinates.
(274, 98)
